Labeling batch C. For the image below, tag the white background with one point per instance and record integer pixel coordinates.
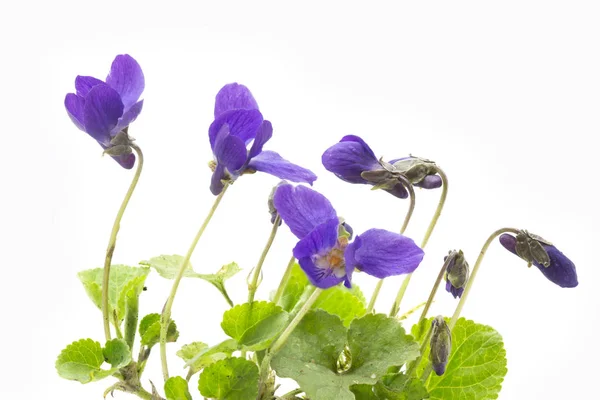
(503, 95)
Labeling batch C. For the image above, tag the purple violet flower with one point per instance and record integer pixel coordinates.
(238, 122)
(558, 268)
(329, 258)
(353, 161)
(102, 109)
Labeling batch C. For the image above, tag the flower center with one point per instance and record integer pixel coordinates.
(333, 260)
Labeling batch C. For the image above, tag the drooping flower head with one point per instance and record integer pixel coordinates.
(440, 344)
(544, 255)
(238, 123)
(325, 251)
(353, 161)
(457, 273)
(104, 109)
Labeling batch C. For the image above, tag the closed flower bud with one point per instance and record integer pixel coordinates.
(441, 345)
(271, 205)
(544, 255)
(457, 273)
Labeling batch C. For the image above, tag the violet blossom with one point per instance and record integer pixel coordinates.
(238, 123)
(353, 161)
(325, 252)
(104, 109)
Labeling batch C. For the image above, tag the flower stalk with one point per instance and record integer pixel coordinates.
(166, 313)
(253, 285)
(113, 240)
(284, 280)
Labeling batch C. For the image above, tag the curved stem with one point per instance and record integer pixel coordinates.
(113, 240)
(436, 285)
(284, 280)
(438, 211)
(253, 286)
(465, 294)
(278, 344)
(165, 317)
(407, 217)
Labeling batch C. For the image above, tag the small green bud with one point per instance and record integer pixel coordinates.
(458, 269)
(441, 345)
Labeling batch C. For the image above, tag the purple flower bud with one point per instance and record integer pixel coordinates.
(440, 345)
(353, 161)
(546, 257)
(457, 273)
(103, 109)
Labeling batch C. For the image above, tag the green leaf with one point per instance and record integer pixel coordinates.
(117, 353)
(176, 388)
(476, 367)
(198, 355)
(310, 355)
(124, 282)
(342, 302)
(364, 392)
(254, 325)
(230, 379)
(80, 361)
(294, 288)
(400, 387)
(150, 330)
(168, 266)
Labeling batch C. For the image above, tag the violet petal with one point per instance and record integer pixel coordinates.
(127, 78)
(234, 96)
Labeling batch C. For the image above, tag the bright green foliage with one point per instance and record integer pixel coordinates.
(176, 388)
(125, 282)
(347, 304)
(476, 367)
(399, 387)
(82, 360)
(150, 330)
(117, 353)
(311, 353)
(364, 392)
(198, 355)
(254, 325)
(230, 379)
(168, 266)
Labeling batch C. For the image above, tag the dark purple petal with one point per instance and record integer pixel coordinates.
(381, 253)
(349, 158)
(216, 185)
(234, 96)
(83, 84)
(319, 277)
(561, 270)
(127, 78)
(430, 182)
(74, 105)
(242, 123)
(399, 191)
(302, 208)
(265, 132)
(230, 151)
(319, 241)
(456, 292)
(126, 161)
(273, 164)
(128, 117)
(102, 110)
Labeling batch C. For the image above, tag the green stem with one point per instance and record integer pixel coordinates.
(292, 394)
(436, 285)
(113, 240)
(131, 320)
(253, 286)
(166, 313)
(284, 280)
(278, 344)
(407, 217)
(438, 211)
(465, 294)
(413, 366)
(116, 325)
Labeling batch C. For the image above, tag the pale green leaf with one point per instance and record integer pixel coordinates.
(198, 355)
(400, 387)
(117, 353)
(80, 361)
(230, 379)
(364, 392)
(342, 302)
(310, 355)
(168, 266)
(124, 281)
(294, 288)
(150, 330)
(176, 388)
(254, 325)
(476, 366)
